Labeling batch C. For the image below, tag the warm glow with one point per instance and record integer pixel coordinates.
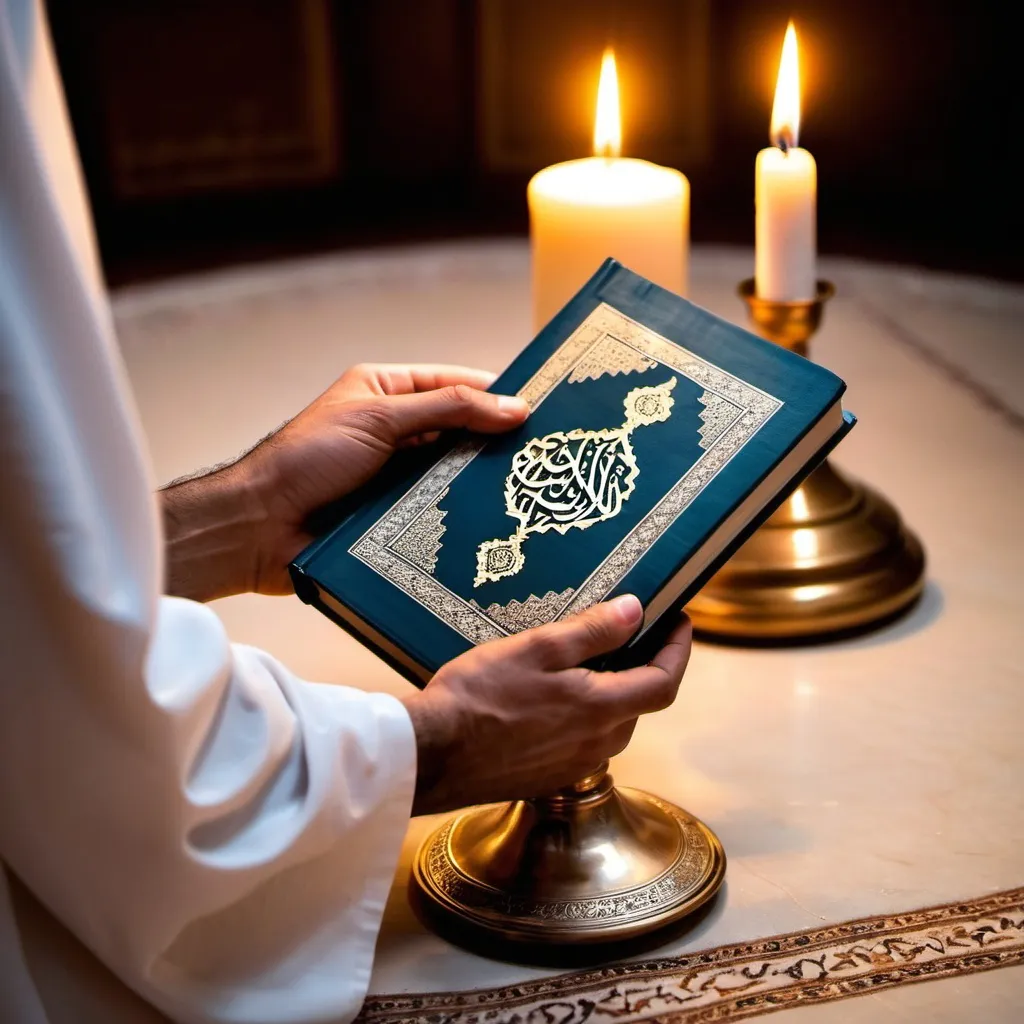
(805, 543)
(607, 122)
(785, 127)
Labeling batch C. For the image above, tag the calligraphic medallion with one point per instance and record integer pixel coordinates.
(573, 479)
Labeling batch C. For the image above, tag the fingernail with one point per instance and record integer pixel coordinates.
(512, 405)
(628, 608)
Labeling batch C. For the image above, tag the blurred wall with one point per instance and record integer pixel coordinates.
(244, 129)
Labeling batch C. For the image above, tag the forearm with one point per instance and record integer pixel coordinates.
(435, 791)
(211, 530)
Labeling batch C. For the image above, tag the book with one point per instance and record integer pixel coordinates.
(659, 437)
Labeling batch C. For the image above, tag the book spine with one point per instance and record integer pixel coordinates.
(308, 591)
(849, 420)
(305, 589)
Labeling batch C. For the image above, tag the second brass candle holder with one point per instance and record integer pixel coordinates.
(834, 557)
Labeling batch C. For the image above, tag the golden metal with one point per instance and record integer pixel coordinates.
(591, 864)
(789, 324)
(834, 557)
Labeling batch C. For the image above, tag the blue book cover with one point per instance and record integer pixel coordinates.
(659, 437)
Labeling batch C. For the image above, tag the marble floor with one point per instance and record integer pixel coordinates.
(870, 776)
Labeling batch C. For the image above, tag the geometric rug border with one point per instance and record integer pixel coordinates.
(737, 981)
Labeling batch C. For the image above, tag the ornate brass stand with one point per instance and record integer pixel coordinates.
(835, 556)
(590, 864)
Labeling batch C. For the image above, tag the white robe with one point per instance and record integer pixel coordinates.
(219, 833)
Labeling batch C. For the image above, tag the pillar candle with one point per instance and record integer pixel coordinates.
(583, 211)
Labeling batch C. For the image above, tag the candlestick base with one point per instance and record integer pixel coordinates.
(592, 864)
(834, 557)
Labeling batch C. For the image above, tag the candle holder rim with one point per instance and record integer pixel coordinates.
(747, 290)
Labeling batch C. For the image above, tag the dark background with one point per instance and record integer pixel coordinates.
(248, 129)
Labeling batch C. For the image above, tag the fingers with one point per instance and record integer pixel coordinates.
(653, 687)
(456, 405)
(418, 439)
(674, 656)
(399, 379)
(617, 740)
(432, 377)
(598, 630)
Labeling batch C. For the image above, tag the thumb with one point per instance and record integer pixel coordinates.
(599, 630)
(457, 405)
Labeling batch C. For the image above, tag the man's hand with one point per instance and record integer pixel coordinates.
(515, 718)
(236, 529)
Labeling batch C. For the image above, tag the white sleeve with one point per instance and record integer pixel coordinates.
(220, 833)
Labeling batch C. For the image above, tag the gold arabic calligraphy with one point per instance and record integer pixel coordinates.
(571, 479)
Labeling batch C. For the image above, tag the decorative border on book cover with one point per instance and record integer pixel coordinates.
(607, 341)
(743, 980)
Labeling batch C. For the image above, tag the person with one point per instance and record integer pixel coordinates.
(218, 833)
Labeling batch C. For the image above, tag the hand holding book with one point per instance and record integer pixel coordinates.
(236, 528)
(519, 717)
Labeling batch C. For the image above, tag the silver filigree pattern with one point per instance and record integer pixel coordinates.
(716, 417)
(462, 616)
(756, 408)
(420, 541)
(610, 356)
(515, 616)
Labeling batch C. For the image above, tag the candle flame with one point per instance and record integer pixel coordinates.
(785, 126)
(607, 121)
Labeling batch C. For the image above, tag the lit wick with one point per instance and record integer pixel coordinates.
(785, 124)
(607, 121)
(784, 140)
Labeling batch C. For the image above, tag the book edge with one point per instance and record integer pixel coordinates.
(316, 595)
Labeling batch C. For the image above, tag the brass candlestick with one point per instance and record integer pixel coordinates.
(835, 556)
(591, 864)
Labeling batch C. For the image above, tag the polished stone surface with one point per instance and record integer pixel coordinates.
(876, 774)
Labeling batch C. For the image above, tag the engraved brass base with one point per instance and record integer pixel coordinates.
(592, 864)
(834, 557)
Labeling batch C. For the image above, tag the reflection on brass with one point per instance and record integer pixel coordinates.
(835, 556)
(789, 324)
(590, 864)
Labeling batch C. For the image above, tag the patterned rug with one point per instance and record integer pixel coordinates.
(740, 981)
